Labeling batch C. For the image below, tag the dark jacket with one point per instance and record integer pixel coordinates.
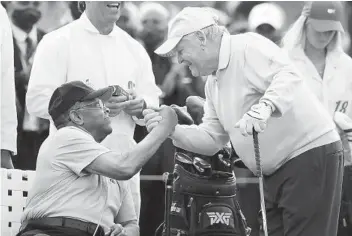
(21, 83)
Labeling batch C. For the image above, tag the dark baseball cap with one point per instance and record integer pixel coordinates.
(326, 16)
(65, 96)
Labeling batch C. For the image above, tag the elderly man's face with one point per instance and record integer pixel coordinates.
(95, 117)
(25, 14)
(109, 11)
(190, 53)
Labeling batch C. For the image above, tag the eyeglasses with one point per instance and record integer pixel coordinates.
(94, 105)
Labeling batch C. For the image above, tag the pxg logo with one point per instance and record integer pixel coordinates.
(219, 217)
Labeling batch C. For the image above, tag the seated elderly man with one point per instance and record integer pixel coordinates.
(75, 192)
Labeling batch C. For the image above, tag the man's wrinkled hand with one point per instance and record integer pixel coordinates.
(256, 119)
(151, 119)
(164, 118)
(6, 161)
(117, 104)
(116, 230)
(135, 107)
(183, 116)
(169, 119)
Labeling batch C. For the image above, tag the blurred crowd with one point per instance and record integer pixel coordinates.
(147, 22)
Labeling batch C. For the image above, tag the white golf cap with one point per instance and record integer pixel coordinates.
(266, 13)
(189, 20)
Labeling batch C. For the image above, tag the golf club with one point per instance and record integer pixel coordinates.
(260, 176)
(202, 166)
(185, 161)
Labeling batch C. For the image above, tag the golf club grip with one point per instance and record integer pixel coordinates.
(260, 175)
(257, 153)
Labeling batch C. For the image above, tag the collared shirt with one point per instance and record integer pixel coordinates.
(8, 116)
(62, 188)
(334, 90)
(78, 51)
(253, 69)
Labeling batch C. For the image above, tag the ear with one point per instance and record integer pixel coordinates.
(201, 36)
(76, 117)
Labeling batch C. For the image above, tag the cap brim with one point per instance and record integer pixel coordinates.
(326, 25)
(166, 49)
(104, 94)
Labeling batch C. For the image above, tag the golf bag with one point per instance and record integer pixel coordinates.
(204, 204)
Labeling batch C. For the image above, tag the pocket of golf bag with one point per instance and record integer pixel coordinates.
(215, 216)
(178, 216)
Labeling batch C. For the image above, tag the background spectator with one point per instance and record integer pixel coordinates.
(55, 14)
(129, 20)
(314, 43)
(32, 131)
(75, 9)
(7, 93)
(268, 20)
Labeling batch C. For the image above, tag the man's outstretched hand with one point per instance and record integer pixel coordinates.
(164, 118)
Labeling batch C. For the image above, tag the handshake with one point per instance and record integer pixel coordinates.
(163, 119)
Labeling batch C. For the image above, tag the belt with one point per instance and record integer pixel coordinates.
(66, 222)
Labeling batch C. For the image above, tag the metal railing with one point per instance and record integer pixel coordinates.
(251, 180)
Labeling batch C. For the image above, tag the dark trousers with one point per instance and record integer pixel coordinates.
(28, 144)
(303, 197)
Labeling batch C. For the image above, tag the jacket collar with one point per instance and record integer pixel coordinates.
(225, 51)
(332, 57)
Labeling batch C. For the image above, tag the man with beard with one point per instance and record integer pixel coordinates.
(32, 131)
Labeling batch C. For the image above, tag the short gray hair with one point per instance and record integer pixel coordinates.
(214, 31)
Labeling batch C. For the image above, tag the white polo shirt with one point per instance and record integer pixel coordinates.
(252, 69)
(8, 115)
(62, 188)
(78, 51)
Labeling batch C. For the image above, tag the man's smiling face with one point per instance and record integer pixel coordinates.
(107, 10)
